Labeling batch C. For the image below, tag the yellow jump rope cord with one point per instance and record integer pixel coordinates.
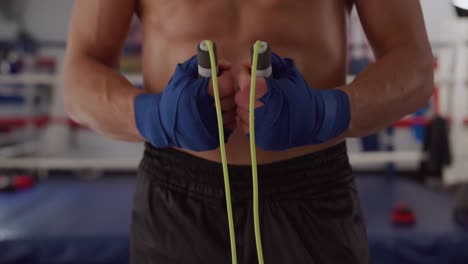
(222, 147)
(253, 154)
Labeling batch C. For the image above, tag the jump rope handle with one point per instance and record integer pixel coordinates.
(263, 66)
(204, 65)
(264, 60)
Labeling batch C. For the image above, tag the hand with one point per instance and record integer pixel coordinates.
(184, 115)
(288, 112)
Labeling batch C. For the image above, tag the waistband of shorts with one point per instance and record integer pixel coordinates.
(179, 168)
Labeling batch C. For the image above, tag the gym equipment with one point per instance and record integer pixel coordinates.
(13, 183)
(460, 212)
(208, 67)
(403, 215)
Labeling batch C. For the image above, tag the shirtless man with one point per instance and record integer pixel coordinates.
(309, 206)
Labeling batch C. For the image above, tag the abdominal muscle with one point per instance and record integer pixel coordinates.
(238, 151)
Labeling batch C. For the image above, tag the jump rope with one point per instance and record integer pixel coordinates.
(261, 67)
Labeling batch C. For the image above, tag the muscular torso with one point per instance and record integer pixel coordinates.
(312, 32)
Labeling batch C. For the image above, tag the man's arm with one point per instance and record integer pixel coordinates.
(401, 79)
(96, 95)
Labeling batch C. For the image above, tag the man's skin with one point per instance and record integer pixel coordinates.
(312, 32)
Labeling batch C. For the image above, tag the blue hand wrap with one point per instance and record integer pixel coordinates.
(183, 115)
(295, 115)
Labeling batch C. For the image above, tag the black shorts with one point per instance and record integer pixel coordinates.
(309, 211)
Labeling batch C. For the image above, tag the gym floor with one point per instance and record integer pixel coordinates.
(65, 220)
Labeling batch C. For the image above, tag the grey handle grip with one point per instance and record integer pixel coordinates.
(264, 60)
(204, 64)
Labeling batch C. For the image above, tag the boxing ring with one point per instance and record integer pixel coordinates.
(72, 221)
(67, 220)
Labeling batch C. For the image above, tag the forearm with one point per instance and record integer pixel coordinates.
(399, 83)
(100, 98)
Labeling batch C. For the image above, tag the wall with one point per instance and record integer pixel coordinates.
(48, 19)
(7, 29)
(437, 13)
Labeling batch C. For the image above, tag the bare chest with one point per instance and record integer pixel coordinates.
(243, 19)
